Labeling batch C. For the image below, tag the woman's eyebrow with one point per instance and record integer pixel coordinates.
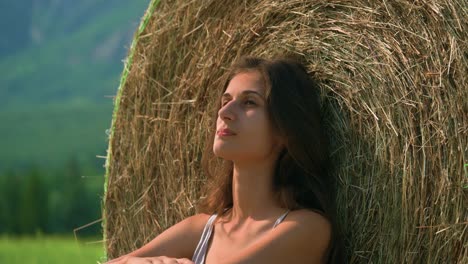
(244, 93)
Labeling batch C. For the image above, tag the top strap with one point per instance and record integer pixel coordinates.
(200, 251)
(280, 219)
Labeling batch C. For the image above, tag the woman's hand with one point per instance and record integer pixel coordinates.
(151, 260)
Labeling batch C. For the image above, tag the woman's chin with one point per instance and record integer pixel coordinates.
(224, 154)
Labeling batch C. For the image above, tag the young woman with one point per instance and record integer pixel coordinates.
(274, 201)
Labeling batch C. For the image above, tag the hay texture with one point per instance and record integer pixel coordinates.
(393, 77)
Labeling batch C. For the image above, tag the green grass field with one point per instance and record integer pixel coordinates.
(50, 250)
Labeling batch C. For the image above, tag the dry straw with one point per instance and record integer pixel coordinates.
(393, 77)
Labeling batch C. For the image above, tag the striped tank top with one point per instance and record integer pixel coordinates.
(202, 247)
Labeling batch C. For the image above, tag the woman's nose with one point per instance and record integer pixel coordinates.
(227, 112)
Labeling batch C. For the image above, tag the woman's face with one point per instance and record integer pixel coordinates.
(243, 130)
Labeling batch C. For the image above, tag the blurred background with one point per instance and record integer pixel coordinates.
(60, 66)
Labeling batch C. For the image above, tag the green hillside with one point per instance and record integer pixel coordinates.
(50, 134)
(55, 94)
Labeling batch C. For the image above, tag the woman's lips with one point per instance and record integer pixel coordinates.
(225, 132)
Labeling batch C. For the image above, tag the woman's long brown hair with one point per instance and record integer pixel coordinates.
(302, 178)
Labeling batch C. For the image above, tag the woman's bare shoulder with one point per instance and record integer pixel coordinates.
(195, 222)
(179, 240)
(312, 221)
(313, 226)
(307, 215)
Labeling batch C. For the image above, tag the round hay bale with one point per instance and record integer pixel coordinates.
(394, 89)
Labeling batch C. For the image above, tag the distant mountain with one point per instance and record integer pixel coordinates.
(15, 21)
(60, 64)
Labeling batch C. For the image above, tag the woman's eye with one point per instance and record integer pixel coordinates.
(246, 102)
(250, 102)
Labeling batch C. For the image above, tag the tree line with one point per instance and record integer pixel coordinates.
(36, 200)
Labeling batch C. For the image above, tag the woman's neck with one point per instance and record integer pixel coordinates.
(252, 190)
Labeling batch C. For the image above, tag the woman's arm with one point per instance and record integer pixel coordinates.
(303, 237)
(152, 260)
(178, 241)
